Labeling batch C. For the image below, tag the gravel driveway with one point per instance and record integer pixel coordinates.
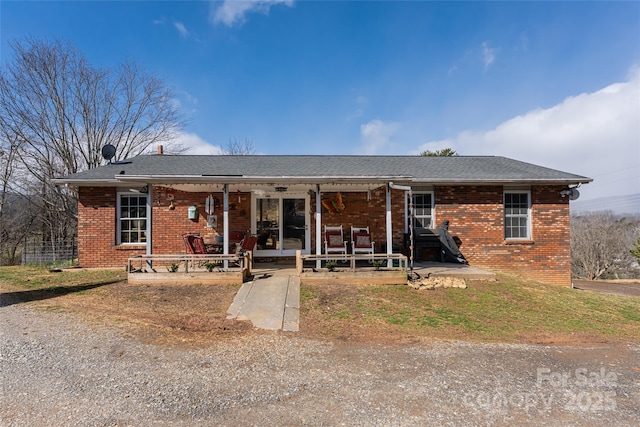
(58, 370)
(631, 289)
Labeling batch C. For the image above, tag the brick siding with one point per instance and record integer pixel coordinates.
(476, 217)
(475, 214)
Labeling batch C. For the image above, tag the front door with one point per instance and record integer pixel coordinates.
(281, 223)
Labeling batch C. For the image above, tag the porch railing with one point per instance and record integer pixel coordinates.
(390, 261)
(189, 263)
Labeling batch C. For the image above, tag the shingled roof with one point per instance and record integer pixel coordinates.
(411, 169)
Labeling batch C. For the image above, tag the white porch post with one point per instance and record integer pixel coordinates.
(404, 188)
(149, 247)
(225, 219)
(318, 225)
(388, 223)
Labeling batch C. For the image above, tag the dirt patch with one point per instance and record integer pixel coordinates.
(159, 314)
(565, 339)
(195, 315)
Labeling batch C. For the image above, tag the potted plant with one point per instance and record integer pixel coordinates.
(210, 265)
(173, 267)
(378, 263)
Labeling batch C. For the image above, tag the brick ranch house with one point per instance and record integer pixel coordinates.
(507, 215)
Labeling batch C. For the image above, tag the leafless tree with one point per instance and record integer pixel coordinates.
(601, 246)
(62, 107)
(60, 111)
(17, 218)
(8, 154)
(239, 147)
(8, 151)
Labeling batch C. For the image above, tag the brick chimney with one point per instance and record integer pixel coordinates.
(160, 152)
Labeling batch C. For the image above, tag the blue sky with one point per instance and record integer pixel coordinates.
(552, 83)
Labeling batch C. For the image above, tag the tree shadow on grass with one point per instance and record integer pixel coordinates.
(19, 297)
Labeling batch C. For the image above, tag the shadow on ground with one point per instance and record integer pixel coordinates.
(11, 298)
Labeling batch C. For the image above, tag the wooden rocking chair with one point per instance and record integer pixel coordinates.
(334, 241)
(361, 241)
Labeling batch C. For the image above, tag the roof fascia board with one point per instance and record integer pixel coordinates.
(187, 179)
(86, 182)
(503, 181)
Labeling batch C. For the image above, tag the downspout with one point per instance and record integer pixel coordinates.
(407, 188)
(318, 225)
(225, 219)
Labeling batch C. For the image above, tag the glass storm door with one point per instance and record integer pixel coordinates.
(267, 219)
(281, 224)
(294, 225)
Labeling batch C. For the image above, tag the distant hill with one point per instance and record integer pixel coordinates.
(628, 205)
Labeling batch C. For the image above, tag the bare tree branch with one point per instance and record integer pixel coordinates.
(601, 246)
(239, 147)
(61, 111)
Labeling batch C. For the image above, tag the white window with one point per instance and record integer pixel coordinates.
(422, 210)
(132, 218)
(517, 215)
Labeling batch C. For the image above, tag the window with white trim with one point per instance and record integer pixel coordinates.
(132, 218)
(422, 210)
(517, 215)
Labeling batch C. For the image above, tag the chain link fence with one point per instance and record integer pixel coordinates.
(42, 253)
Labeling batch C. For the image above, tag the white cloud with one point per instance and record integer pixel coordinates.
(184, 33)
(360, 103)
(592, 134)
(231, 12)
(188, 97)
(196, 145)
(488, 54)
(376, 135)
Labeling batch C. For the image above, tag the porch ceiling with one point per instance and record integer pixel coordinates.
(264, 184)
(271, 187)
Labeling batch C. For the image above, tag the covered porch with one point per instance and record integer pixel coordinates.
(284, 215)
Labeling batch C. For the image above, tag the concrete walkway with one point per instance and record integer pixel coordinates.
(448, 269)
(269, 302)
(272, 299)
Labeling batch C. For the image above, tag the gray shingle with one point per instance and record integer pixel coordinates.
(463, 169)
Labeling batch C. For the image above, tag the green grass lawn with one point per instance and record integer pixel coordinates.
(508, 310)
(39, 278)
(36, 283)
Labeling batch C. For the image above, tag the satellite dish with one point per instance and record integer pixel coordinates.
(108, 151)
(574, 194)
